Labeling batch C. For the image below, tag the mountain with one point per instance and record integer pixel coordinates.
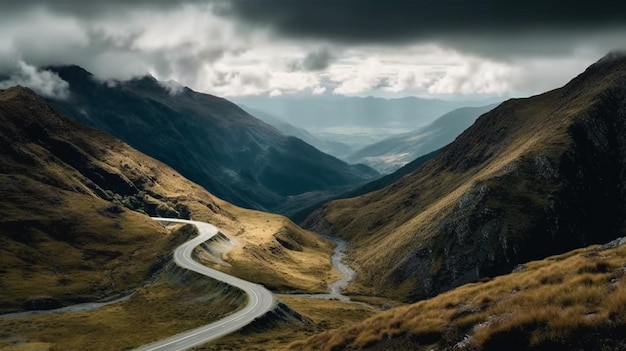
(396, 151)
(531, 178)
(574, 301)
(374, 185)
(74, 223)
(335, 148)
(328, 111)
(207, 139)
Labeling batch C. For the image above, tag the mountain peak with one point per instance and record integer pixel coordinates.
(16, 91)
(612, 56)
(70, 70)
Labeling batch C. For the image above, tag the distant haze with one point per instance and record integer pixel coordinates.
(324, 112)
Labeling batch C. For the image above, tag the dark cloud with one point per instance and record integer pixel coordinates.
(93, 8)
(392, 21)
(317, 60)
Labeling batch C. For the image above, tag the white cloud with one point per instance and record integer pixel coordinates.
(360, 77)
(172, 87)
(44, 83)
(475, 76)
(318, 90)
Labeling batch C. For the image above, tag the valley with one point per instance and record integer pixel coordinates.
(86, 236)
(276, 175)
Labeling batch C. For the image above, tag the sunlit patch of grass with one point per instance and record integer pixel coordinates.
(161, 309)
(273, 251)
(322, 314)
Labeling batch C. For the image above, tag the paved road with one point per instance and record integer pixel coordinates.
(260, 300)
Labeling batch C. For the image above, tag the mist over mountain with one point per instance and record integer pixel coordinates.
(396, 151)
(335, 148)
(329, 111)
(208, 139)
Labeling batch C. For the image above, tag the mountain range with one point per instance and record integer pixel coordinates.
(335, 148)
(396, 151)
(489, 240)
(328, 111)
(209, 140)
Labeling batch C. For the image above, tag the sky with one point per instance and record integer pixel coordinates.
(451, 49)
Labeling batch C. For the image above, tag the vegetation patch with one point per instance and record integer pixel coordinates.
(574, 301)
(178, 301)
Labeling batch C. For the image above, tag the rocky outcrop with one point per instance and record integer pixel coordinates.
(573, 201)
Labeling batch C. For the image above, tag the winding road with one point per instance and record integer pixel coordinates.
(260, 300)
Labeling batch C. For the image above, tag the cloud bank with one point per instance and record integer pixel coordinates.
(43, 82)
(390, 48)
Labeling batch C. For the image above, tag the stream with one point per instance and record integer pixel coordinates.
(336, 288)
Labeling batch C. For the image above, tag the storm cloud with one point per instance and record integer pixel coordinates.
(315, 60)
(391, 47)
(392, 21)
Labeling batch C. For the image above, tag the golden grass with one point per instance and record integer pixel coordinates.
(323, 315)
(301, 263)
(70, 249)
(552, 301)
(68, 232)
(162, 309)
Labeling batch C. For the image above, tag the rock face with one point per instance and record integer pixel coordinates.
(531, 178)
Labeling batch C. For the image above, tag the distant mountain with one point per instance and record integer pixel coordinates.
(319, 112)
(209, 140)
(396, 151)
(531, 178)
(73, 223)
(335, 148)
(374, 185)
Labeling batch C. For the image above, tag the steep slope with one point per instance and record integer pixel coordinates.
(207, 139)
(70, 228)
(574, 301)
(533, 177)
(73, 223)
(380, 183)
(390, 154)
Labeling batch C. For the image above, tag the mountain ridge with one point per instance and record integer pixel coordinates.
(393, 152)
(533, 177)
(208, 139)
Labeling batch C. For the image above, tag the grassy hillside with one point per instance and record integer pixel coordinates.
(573, 301)
(74, 227)
(531, 178)
(380, 183)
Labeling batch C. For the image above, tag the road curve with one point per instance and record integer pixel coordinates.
(260, 300)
